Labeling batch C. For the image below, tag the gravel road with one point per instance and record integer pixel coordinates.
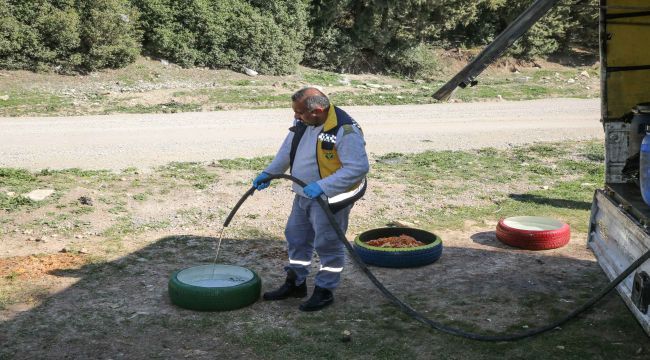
(124, 140)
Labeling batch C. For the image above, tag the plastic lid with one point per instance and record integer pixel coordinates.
(215, 275)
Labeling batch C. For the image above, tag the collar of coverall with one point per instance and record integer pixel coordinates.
(330, 122)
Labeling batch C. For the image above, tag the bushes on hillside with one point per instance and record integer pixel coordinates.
(271, 36)
(67, 34)
(545, 37)
(33, 34)
(267, 36)
(109, 35)
(377, 35)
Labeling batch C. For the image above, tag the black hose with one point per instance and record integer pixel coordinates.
(407, 309)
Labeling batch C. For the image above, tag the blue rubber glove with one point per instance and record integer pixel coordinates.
(259, 183)
(313, 190)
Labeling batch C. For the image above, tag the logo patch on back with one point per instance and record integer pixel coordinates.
(348, 129)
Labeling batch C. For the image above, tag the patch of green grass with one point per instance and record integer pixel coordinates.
(322, 78)
(12, 275)
(5, 300)
(130, 171)
(54, 95)
(155, 225)
(422, 168)
(68, 178)
(14, 203)
(13, 178)
(116, 234)
(18, 182)
(593, 151)
(190, 216)
(243, 82)
(51, 223)
(524, 86)
(101, 174)
(21, 181)
(33, 102)
(546, 150)
(252, 232)
(319, 336)
(13, 292)
(381, 98)
(140, 197)
(257, 163)
(563, 184)
(122, 227)
(168, 107)
(245, 98)
(81, 210)
(569, 201)
(194, 173)
(118, 209)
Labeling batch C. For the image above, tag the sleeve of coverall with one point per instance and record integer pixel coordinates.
(351, 150)
(281, 162)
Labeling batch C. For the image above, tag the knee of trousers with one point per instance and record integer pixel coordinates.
(332, 246)
(332, 260)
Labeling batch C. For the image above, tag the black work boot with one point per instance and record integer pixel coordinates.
(318, 300)
(288, 289)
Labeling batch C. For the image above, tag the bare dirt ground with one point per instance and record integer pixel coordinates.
(107, 297)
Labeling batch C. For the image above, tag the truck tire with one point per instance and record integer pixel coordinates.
(231, 287)
(398, 257)
(533, 232)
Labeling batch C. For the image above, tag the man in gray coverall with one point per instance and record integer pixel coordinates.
(326, 150)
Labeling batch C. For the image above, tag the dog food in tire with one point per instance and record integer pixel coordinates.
(533, 232)
(398, 257)
(214, 287)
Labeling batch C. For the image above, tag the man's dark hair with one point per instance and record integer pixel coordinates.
(313, 98)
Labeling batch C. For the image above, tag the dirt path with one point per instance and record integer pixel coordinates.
(142, 141)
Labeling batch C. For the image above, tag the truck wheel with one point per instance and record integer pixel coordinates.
(214, 287)
(398, 257)
(533, 232)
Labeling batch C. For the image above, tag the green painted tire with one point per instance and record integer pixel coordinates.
(214, 287)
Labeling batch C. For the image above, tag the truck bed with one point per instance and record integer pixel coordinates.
(618, 235)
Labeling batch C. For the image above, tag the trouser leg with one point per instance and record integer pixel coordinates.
(300, 240)
(330, 249)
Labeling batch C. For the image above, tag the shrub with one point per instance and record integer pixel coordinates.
(377, 35)
(109, 34)
(419, 61)
(67, 34)
(543, 38)
(37, 33)
(178, 31)
(273, 38)
(565, 25)
(268, 36)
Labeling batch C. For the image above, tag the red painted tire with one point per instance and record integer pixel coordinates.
(533, 232)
